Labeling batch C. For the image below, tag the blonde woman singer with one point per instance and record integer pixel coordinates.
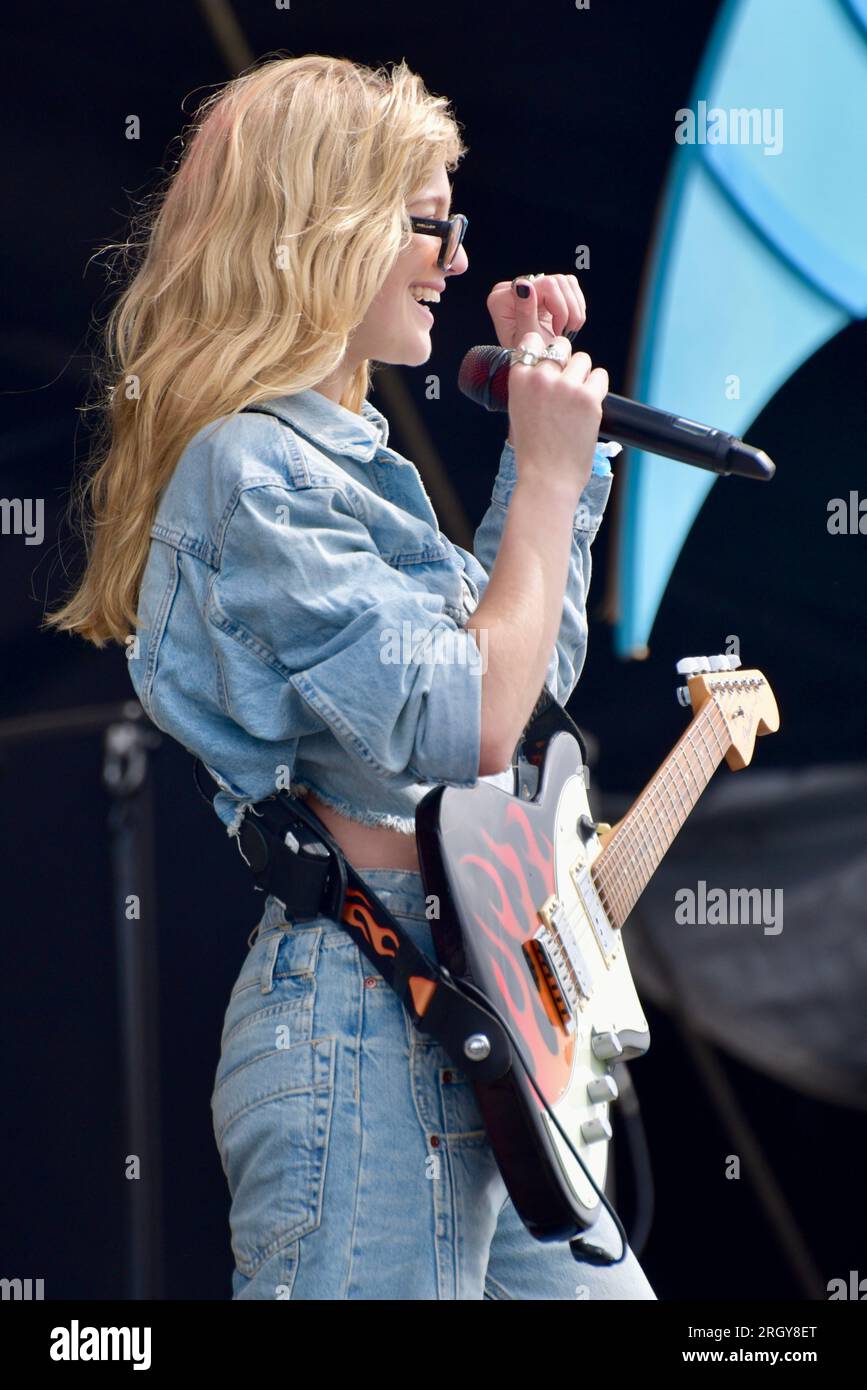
(253, 563)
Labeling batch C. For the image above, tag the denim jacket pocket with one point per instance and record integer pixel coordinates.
(434, 567)
(272, 1122)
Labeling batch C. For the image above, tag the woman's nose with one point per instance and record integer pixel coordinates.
(460, 262)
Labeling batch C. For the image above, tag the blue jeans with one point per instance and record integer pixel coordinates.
(355, 1153)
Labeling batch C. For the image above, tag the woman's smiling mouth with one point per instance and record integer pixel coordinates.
(419, 292)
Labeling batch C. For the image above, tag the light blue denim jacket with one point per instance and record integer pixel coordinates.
(301, 614)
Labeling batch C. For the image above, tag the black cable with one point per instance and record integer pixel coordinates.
(632, 1125)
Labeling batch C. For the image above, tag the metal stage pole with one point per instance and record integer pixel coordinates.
(129, 738)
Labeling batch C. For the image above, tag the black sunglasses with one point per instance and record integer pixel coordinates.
(451, 233)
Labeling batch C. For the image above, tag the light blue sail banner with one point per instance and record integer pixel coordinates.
(760, 255)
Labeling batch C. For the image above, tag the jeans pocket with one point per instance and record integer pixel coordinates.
(277, 976)
(461, 1114)
(272, 1123)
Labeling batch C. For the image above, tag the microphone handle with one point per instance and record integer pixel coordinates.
(676, 437)
(643, 426)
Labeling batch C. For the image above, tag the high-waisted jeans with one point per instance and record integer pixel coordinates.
(356, 1156)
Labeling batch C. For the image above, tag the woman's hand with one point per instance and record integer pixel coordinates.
(554, 415)
(559, 306)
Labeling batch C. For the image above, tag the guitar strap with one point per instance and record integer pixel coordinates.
(293, 857)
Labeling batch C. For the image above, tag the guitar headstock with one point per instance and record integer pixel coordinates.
(744, 699)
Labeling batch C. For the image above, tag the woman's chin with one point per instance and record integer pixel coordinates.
(413, 350)
(424, 346)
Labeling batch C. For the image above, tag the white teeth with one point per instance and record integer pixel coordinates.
(424, 295)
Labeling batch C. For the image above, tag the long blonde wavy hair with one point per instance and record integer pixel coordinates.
(246, 274)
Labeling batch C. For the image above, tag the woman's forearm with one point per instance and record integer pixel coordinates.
(520, 611)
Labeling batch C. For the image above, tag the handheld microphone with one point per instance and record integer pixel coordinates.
(484, 377)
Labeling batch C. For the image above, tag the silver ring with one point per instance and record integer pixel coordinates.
(555, 354)
(525, 355)
(529, 358)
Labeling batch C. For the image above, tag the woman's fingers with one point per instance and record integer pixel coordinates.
(561, 296)
(579, 366)
(552, 298)
(572, 293)
(597, 382)
(554, 307)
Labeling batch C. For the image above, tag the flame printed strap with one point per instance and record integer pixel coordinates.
(359, 914)
(547, 718)
(422, 992)
(407, 969)
(435, 1005)
(291, 854)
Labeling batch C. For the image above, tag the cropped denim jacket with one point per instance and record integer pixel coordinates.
(301, 615)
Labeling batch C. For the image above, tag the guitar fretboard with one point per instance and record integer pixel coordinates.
(630, 858)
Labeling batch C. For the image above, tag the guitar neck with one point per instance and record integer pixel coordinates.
(636, 849)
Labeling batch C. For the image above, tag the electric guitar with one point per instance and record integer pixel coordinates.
(533, 900)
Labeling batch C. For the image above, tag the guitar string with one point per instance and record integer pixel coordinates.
(630, 850)
(617, 905)
(620, 856)
(624, 855)
(632, 856)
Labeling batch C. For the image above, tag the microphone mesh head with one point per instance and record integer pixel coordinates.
(484, 377)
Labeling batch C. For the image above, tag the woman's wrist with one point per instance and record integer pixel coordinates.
(542, 488)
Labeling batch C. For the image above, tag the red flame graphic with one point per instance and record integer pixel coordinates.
(509, 921)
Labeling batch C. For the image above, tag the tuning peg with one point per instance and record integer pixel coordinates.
(692, 665)
(726, 662)
(683, 695)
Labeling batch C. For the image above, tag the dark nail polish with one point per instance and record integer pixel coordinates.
(523, 291)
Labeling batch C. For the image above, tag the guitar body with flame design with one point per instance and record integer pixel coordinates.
(493, 861)
(527, 914)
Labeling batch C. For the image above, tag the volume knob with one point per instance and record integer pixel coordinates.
(606, 1045)
(604, 1088)
(594, 1130)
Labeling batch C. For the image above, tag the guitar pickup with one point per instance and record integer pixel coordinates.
(608, 939)
(543, 962)
(559, 957)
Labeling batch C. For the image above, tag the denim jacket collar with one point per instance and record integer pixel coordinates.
(333, 426)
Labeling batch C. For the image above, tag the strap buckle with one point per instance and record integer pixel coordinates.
(291, 859)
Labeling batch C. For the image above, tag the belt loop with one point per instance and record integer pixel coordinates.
(266, 979)
(264, 924)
